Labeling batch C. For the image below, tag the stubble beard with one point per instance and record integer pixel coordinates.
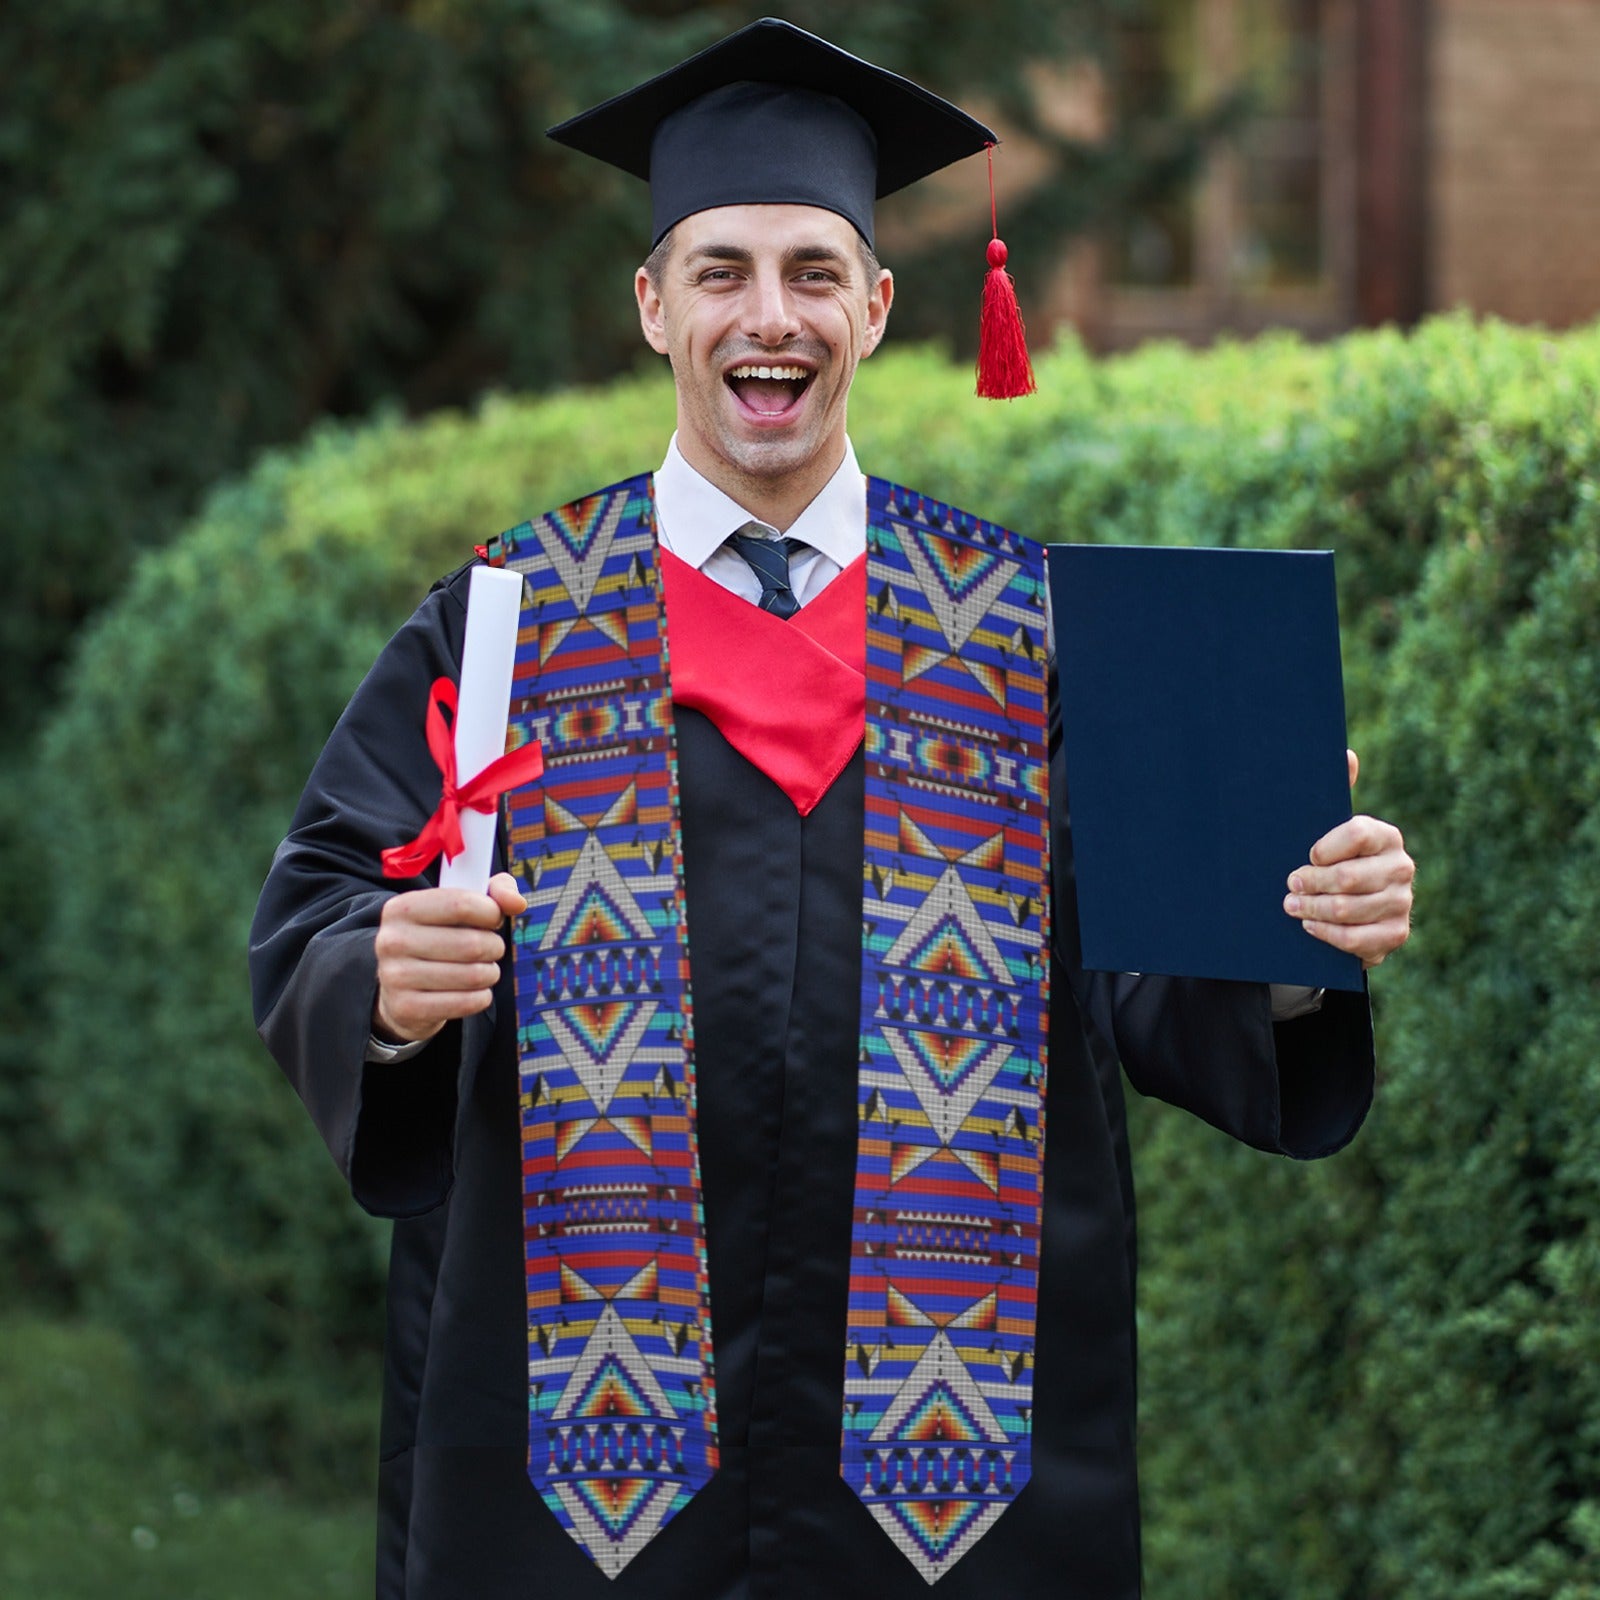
(768, 459)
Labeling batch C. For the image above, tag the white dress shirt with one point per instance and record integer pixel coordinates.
(694, 518)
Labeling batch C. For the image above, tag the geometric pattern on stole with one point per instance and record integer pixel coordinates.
(945, 1245)
(621, 1403)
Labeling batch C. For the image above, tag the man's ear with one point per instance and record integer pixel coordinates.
(878, 303)
(652, 315)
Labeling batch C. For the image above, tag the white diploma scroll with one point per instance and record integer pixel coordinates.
(494, 603)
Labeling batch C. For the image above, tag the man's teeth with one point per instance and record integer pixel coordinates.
(795, 374)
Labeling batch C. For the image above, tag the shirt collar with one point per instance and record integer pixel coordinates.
(695, 517)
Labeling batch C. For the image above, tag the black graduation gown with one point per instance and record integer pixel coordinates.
(774, 906)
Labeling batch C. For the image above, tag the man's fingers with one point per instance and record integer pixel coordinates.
(1353, 762)
(408, 973)
(445, 908)
(1360, 836)
(413, 1014)
(428, 941)
(1363, 889)
(1370, 941)
(507, 893)
(439, 954)
(1355, 893)
(1356, 875)
(416, 997)
(1381, 905)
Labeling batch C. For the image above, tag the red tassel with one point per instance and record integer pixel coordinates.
(1004, 370)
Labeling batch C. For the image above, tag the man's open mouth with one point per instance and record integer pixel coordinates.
(768, 390)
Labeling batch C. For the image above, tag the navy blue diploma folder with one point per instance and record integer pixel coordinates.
(1202, 709)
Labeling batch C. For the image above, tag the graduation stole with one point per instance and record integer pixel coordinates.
(937, 1358)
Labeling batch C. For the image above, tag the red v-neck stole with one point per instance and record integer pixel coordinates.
(789, 696)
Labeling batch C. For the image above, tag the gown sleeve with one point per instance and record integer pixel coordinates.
(313, 965)
(1299, 1088)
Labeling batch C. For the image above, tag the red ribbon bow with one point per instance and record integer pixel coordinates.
(442, 831)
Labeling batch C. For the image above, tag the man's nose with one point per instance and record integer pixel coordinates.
(772, 319)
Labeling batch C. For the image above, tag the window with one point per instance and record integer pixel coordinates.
(1265, 235)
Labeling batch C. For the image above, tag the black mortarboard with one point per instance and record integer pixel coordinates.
(774, 115)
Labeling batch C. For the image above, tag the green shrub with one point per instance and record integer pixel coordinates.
(1376, 1378)
(195, 1208)
(1370, 1378)
(95, 1500)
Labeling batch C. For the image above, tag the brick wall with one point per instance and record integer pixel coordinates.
(1515, 158)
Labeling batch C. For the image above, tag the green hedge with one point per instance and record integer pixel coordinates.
(1374, 1377)
(194, 1206)
(1378, 1377)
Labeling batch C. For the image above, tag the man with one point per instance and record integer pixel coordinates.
(857, 1388)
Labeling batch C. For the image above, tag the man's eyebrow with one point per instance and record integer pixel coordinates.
(795, 255)
(817, 254)
(720, 252)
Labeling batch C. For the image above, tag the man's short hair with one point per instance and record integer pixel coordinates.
(655, 264)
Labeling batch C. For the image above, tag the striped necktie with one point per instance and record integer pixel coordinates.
(769, 560)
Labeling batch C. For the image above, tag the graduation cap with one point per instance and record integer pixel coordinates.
(773, 115)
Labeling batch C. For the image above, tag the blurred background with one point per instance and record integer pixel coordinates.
(297, 305)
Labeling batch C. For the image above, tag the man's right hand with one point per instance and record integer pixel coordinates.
(439, 953)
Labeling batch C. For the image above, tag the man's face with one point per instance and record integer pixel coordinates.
(764, 311)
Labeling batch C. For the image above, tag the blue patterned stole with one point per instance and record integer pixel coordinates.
(938, 1354)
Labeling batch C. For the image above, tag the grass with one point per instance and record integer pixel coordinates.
(93, 1503)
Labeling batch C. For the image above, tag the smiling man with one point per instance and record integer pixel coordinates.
(733, 1256)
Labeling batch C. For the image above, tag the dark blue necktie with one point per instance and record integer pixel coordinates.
(769, 560)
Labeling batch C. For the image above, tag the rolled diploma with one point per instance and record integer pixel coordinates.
(488, 658)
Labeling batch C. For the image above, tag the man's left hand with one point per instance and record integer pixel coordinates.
(1355, 893)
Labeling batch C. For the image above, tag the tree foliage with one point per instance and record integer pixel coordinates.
(218, 224)
(191, 1210)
